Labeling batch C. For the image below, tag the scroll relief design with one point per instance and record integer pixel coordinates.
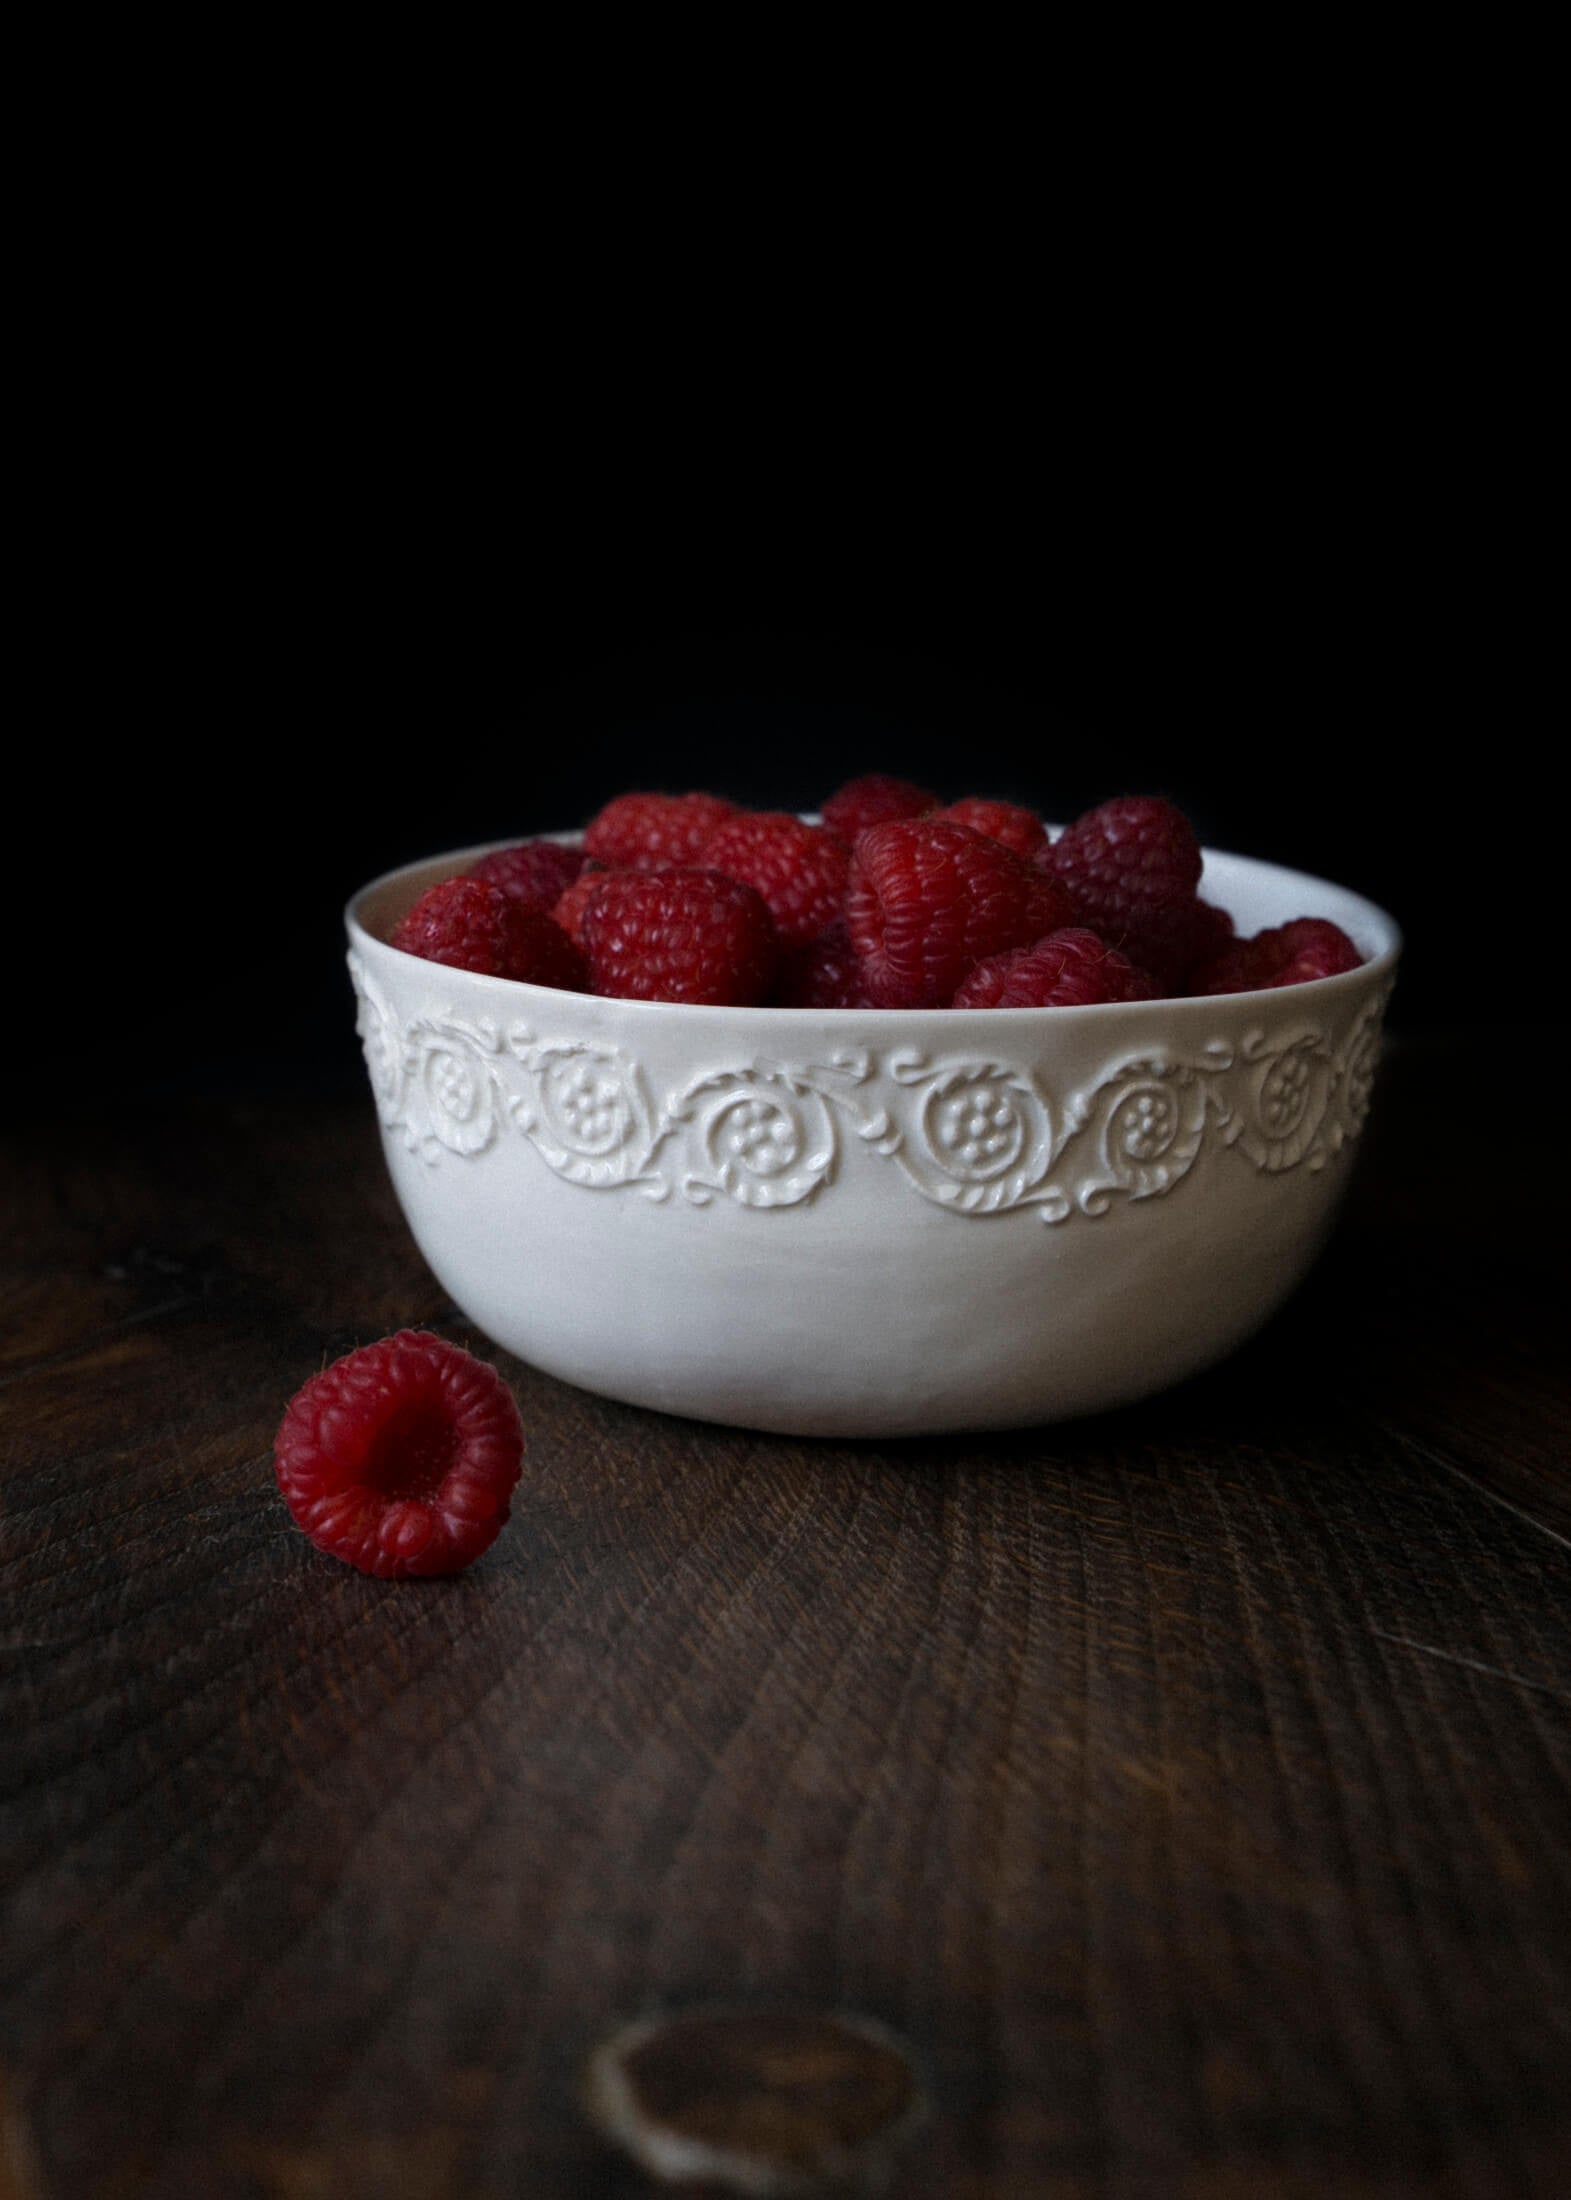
(975, 1135)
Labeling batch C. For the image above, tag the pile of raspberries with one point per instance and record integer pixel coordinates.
(893, 901)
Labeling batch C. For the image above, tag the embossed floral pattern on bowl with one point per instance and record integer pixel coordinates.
(866, 1189)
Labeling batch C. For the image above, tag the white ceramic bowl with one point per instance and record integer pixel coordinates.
(870, 1222)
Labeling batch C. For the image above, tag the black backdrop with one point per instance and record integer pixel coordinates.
(355, 544)
(273, 719)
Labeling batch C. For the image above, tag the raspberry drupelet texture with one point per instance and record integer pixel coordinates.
(1131, 867)
(401, 1458)
(686, 935)
(569, 910)
(1288, 954)
(655, 832)
(877, 798)
(1017, 827)
(536, 872)
(1071, 968)
(928, 899)
(471, 924)
(799, 869)
(1317, 949)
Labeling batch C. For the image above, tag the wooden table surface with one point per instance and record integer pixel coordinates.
(1187, 1792)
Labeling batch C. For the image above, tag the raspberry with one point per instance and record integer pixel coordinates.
(928, 899)
(1017, 828)
(680, 936)
(569, 911)
(1288, 954)
(473, 925)
(874, 799)
(799, 869)
(536, 872)
(655, 832)
(1210, 935)
(401, 1457)
(1131, 867)
(1069, 969)
(1237, 969)
(1319, 949)
(824, 974)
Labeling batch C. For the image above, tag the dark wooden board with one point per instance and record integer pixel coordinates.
(1190, 1789)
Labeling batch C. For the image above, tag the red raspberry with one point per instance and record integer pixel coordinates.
(824, 974)
(1289, 954)
(536, 872)
(1319, 949)
(473, 925)
(401, 1457)
(928, 899)
(1069, 969)
(1017, 828)
(569, 911)
(1131, 867)
(1210, 935)
(874, 799)
(680, 936)
(655, 832)
(799, 869)
(1238, 968)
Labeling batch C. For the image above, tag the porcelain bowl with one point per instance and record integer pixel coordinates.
(870, 1222)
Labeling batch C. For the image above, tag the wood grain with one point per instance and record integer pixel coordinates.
(1188, 1788)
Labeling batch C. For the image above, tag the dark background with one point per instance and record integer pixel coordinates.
(364, 533)
(1303, 639)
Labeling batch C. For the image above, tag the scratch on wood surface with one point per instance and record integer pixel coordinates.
(1434, 1458)
(1474, 1665)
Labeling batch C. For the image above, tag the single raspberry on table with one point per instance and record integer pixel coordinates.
(536, 872)
(401, 1458)
(1287, 954)
(472, 925)
(826, 973)
(876, 798)
(684, 935)
(655, 832)
(1016, 826)
(1131, 867)
(799, 869)
(928, 899)
(1071, 968)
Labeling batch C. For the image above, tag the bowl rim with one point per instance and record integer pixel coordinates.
(450, 863)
